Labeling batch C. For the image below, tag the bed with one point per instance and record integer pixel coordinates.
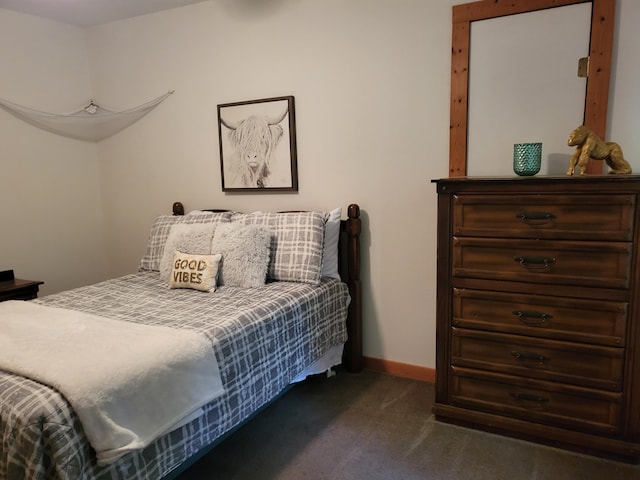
(303, 319)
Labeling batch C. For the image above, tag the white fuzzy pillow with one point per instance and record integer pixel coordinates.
(193, 238)
(245, 254)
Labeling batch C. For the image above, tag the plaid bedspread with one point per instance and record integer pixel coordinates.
(262, 338)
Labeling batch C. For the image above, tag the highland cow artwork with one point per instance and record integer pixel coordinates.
(258, 145)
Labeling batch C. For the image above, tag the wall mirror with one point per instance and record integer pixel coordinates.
(474, 102)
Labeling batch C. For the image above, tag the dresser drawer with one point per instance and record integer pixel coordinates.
(574, 319)
(572, 363)
(591, 264)
(535, 400)
(584, 217)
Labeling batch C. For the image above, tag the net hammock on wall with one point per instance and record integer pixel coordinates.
(91, 123)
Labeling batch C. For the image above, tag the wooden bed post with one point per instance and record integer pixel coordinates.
(353, 347)
(178, 208)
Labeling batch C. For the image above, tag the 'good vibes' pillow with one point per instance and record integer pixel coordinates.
(199, 272)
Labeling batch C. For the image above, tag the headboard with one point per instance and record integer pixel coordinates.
(349, 268)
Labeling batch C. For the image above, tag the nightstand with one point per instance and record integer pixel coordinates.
(17, 289)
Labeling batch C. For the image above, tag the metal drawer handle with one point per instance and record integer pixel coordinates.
(530, 357)
(527, 397)
(538, 217)
(532, 318)
(541, 263)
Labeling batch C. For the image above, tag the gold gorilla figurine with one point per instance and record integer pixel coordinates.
(589, 145)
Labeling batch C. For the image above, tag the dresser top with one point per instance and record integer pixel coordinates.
(551, 184)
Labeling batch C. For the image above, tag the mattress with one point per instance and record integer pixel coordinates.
(263, 339)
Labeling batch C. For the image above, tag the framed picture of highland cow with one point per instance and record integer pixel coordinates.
(258, 145)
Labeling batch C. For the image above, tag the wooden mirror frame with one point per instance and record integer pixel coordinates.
(597, 93)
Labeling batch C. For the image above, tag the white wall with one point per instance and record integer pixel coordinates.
(623, 124)
(51, 220)
(371, 82)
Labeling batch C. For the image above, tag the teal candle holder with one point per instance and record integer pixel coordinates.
(527, 158)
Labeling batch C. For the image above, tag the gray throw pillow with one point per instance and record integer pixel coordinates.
(245, 254)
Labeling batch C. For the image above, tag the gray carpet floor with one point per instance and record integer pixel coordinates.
(375, 426)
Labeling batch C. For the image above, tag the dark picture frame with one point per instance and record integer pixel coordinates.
(258, 145)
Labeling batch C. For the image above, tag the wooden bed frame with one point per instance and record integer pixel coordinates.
(162, 458)
(349, 268)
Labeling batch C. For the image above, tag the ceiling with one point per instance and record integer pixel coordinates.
(87, 13)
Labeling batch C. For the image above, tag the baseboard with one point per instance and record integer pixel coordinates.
(398, 369)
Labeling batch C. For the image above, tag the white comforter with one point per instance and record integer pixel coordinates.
(127, 382)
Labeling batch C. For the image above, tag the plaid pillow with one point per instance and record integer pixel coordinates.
(160, 233)
(296, 243)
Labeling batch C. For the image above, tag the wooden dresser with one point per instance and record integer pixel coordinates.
(538, 309)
